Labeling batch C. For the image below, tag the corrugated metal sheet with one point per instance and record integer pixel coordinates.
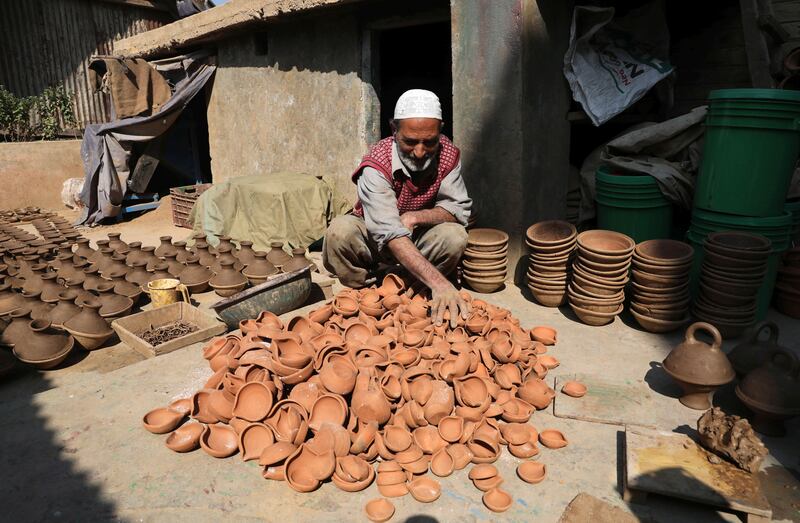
(47, 42)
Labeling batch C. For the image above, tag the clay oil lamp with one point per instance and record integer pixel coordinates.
(699, 368)
(552, 439)
(162, 420)
(219, 441)
(497, 500)
(253, 439)
(185, 438)
(442, 463)
(379, 510)
(353, 474)
(424, 489)
(532, 472)
(574, 389)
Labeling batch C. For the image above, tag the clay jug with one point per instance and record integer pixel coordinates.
(138, 274)
(134, 254)
(91, 278)
(42, 345)
(166, 248)
(117, 264)
(772, 392)
(17, 327)
(50, 288)
(277, 256)
(259, 269)
(102, 262)
(699, 368)
(224, 243)
(39, 309)
(245, 254)
(65, 308)
(181, 253)
(88, 327)
(753, 352)
(298, 261)
(97, 255)
(77, 286)
(149, 254)
(9, 299)
(33, 282)
(174, 267)
(159, 272)
(115, 243)
(195, 276)
(205, 257)
(112, 305)
(83, 250)
(224, 255)
(228, 281)
(124, 287)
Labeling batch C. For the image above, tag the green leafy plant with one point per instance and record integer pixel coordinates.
(26, 118)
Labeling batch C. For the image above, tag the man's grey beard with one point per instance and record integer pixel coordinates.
(408, 161)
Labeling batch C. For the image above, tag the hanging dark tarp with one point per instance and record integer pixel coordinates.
(106, 148)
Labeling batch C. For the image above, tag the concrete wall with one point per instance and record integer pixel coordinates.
(509, 105)
(32, 173)
(298, 108)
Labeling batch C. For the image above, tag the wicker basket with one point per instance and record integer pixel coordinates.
(183, 199)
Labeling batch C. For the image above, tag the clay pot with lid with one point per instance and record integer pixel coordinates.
(182, 253)
(245, 254)
(83, 249)
(50, 288)
(43, 346)
(195, 276)
(125, 288)
(116, 243)
(202, 251)
(134, 253)
(88, 327)
(258, 269)
(277, 256)
(228, 281)
(174, 267)
(91, 278)
(165, 248)
(17, 327)
(772, 392)
(298, 261)
(224, 255)
(112, 305)
(39, 310)
(753, 352)
(699, 368)
(65, 308)
(159, 272)
(9, 299)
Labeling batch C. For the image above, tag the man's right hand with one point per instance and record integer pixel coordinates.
(448, 298)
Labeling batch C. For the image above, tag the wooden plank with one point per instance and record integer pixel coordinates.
(606, 401)
(673, 465)
(147, 4)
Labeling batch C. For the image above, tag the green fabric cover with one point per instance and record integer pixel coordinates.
(288, 207)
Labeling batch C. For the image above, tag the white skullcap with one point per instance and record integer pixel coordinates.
(418, 103)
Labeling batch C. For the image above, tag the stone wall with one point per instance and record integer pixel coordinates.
(32, 173)
(289, 99)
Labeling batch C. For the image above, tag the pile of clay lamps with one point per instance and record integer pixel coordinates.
(660, 286)
(734, 267)
(600, 273)
(485, 263)
(366, 389)
(552, 245)
(787, 287)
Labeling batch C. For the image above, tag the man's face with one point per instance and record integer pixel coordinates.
(417, 141)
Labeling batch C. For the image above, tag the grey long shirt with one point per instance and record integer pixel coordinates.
(380, 203)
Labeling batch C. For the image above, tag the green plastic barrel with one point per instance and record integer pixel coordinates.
(752, 143)
(632, 205)
(793, 206)
(778, 236)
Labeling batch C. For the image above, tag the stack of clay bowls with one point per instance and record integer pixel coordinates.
(552, 245)
(733, 270)
(600, 273)
(787, 287)
(486, 259)
(660, 286)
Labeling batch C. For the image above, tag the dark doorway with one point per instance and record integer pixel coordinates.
(416, 57)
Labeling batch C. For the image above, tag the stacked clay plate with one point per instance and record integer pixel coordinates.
(734, 268)
(485, 262)
(552, 245)
(600, 273)
(366, 389)
(660, 286)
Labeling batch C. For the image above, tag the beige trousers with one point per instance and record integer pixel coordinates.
(352, 256)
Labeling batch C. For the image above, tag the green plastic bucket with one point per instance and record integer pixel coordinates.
(752, 143)
(780, 243)
(632, 205)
